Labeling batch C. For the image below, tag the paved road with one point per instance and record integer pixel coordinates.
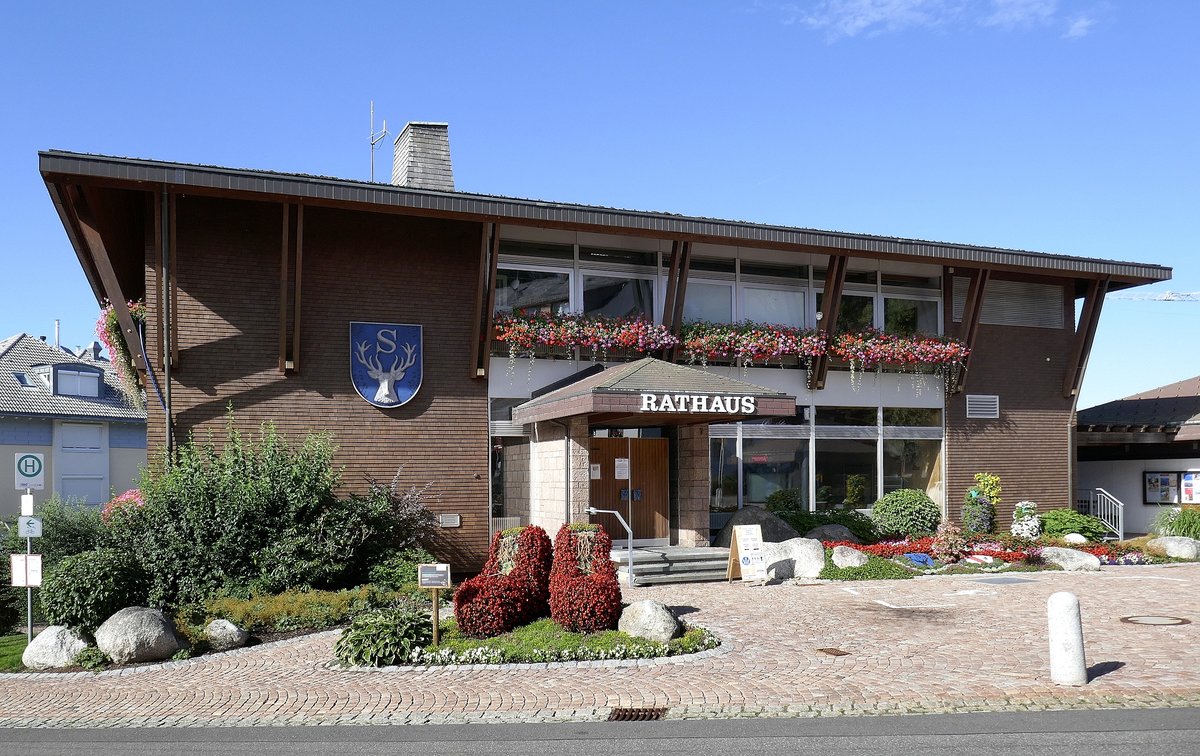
(1164, 732)
(940, 644)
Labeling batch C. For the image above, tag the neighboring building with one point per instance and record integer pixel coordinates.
(1144, 450)
(253, 280)
(70, 409)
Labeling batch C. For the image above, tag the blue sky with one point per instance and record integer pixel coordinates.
(1063, 126)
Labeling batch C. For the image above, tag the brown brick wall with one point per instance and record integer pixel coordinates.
(1029, 447)
(356, 266)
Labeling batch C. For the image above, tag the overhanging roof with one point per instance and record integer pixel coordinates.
(59, 166)
(614, 396)
(1170, 412)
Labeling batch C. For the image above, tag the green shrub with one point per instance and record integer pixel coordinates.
(296, 610)
(876, 568)
(83, 590)
(384, 636)
(92, 659)
(907, 512)
(398, 572)
(989, 486)
(1059, 522)
(786, 500)
(10, 611)
(260, 515)
(1179, 522)
(856, 522)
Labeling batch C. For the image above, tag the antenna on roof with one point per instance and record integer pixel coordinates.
(375, 138)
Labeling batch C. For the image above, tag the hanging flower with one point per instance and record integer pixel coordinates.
(600, 335)
(108, 331)
(748, 343)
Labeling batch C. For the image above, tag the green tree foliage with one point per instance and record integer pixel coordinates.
(907, 512)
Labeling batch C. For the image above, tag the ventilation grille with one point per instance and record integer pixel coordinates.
(506, 428)
(1014, 303)
(983, 406)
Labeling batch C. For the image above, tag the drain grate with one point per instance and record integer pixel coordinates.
(646, 714)
(1153, 619)
(834, 651)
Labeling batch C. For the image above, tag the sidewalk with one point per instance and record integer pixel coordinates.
(936, 644)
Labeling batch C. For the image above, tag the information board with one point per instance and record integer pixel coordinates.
(26, 570)
(433, 575)
(746, 558)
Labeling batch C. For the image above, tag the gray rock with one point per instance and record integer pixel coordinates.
(651, 620)
(54, 648)
(1075, 538)
(774, 530)
(223, 635)
(1070, 559)
(832, 532)
(794, 558)
(844, 556)
(137, 634)
(1179, 547)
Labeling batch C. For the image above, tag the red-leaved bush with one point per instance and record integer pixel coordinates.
(584, 600)
(513, 588)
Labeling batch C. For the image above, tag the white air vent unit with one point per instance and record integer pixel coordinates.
(983, 406)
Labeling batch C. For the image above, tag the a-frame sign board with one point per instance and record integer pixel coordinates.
(746, 559)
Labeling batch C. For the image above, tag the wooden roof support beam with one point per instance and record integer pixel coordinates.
(284, 264)
(968, 329)
(89, 234)
(831, 306)
(681, 263)
(1081, 348)
(485, 299)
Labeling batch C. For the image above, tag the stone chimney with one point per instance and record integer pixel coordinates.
(422, 157)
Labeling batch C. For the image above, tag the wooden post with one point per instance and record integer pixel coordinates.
(436, 615)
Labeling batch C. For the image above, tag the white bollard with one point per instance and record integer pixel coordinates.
(1067, 663)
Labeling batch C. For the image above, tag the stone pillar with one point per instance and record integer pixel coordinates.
(581, 482)
(691, 454)
(553, 451)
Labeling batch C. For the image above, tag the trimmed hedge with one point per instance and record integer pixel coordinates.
(584, 598)
(1059, 522)
(514, 587)
(907, 512)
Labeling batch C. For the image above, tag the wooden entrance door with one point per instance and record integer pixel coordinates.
(642, 500)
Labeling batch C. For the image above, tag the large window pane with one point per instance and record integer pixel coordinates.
(618, 297)
(723, 475)
(859, 416)
(510, 481)
(856, 312)
(532, 291)
(912, 464)
(773, 306)
(909, 316)
(913, 417)
(773, 464)
(846, 470)
(707, 301)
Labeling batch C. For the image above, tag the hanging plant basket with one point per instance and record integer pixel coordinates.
(108, 331)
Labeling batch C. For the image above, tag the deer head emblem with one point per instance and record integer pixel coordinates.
(372, 357)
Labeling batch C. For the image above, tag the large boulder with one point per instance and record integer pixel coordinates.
(774, 530)
(651, 620)
(223, 635)
(844, 556)
(1178, 547)
(794, 558)
(1070, 559)
(54, 648)
(137, 634)
(1075, 538)
(833, 532)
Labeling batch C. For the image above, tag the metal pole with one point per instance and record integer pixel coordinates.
(28, 591)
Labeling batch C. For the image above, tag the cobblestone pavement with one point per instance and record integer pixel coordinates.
(934, 644)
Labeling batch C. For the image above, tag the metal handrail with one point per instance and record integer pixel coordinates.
(1104, 506)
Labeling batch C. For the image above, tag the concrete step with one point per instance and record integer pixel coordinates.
(698, 576)
(675, 569)
(670, 555)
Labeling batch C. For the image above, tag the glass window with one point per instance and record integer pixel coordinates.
(618, 297)
(846, 416)
(723, 475)
(796, 272)
(779, 306)
(510, 481)
(76, 383)
(501, 409)
(532, 291)
(932, 283)
(913, 417)
(856, 312)
(708, 301)
(774, 464)
(908, 316)
(864, 277)
(846, 471)
(912, 464)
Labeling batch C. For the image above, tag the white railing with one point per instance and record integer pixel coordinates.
(504, 523)
(1104, 506)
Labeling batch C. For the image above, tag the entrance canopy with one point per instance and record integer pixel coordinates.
(652, 392)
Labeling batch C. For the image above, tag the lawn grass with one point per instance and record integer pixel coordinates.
(11, 648)
(546, 640)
